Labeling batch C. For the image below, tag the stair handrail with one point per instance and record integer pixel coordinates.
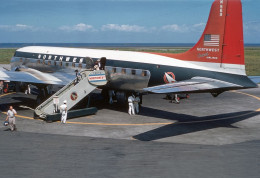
(58, 93)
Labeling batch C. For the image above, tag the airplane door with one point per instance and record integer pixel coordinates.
(102, 63)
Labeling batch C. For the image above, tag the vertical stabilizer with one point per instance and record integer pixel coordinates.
(222, 40)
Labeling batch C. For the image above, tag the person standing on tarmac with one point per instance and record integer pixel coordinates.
(136, 104)
(63, 110)
(11, 118)
(131, 109)
(111, 93)
(177, 99)
(1, 87)
(28, 90)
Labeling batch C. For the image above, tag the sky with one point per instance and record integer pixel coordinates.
(113, 21)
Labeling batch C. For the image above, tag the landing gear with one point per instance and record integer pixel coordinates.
(119, 97)
(43, 93)
(175, 98)
(216, 94)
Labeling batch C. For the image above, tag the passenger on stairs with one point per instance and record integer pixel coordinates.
(97, 65)
(78, 76)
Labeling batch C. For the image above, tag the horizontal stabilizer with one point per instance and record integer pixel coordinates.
(193, 85)
(255, 79)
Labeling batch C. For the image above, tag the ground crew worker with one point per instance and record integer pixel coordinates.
(11, 118)
(28, 90)
(131, 109)
(136, 104)
(176, 98)
(63, 110)
(111, 93)
(1, 87)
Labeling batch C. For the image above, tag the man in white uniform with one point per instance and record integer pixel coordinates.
(63, 110)
(11, 118)
(131, 110)
(28, 90)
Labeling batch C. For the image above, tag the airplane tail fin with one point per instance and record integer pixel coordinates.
(221, 43)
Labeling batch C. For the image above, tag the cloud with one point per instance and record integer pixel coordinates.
(81, 27)
(184, 28)
(175, 28)
(18, 27)
(123, 28)
(199, 27)
(253, 26)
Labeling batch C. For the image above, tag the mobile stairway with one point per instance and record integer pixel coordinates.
(73, 93)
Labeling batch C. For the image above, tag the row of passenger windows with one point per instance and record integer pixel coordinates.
(61, 63)
(123, 71)
(58, 63)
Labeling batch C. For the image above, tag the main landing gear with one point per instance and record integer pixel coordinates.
(175, 98)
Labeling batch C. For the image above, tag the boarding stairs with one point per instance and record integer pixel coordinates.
(73, 92)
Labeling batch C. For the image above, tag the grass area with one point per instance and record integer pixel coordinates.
(252, 56)
(252, 60)
(6, 55)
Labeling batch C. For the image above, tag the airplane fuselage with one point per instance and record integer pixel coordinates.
(159, 68)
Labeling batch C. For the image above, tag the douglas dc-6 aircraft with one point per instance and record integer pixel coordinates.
(214, 65)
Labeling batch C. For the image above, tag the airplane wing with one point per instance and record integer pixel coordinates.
(255, 79)
(35, 76)
(195, 84)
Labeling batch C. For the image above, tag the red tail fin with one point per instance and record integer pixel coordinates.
(222, 39)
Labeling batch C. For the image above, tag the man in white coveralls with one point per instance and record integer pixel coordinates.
(63, 110)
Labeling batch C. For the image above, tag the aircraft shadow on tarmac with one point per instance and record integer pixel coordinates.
(183, 123)
(16, 101)
(189, 124)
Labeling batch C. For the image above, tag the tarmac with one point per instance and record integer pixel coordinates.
(202, 136)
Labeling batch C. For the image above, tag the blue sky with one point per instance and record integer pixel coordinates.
(113, 21)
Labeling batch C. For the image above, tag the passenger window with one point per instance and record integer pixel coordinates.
(61, 64)
(55, 63)
(144, 73)
(49, 63)
(73, 64)
(114, 70)
(80, 65)
(133, 72)
(123, 71)
(21, 59)
(67, 64)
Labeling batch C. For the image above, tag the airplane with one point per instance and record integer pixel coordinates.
(214, 65)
